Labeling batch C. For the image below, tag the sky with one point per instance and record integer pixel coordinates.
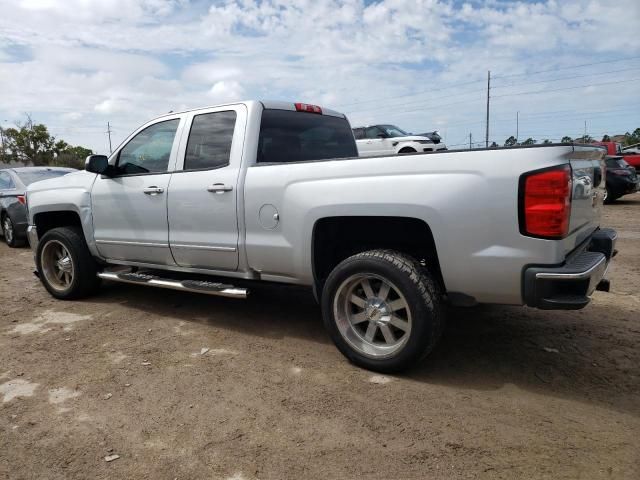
(75, 65)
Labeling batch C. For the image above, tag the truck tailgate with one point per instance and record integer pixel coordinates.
(588, 175)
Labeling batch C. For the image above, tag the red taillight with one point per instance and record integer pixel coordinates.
(546, 203)
(305, 107)
(22, 199)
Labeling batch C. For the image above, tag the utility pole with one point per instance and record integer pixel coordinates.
(109, 133)
(469, 141)
(517, 126)
(486, 140)
(585, 132)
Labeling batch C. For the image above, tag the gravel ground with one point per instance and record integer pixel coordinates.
(188, 387)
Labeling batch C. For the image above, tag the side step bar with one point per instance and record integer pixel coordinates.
(197, 286)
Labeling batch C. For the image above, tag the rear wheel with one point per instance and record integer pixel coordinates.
(382, 310)
(67, 269)
(9, 232)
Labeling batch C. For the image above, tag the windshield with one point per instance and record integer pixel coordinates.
(29, 177)
(393, 131)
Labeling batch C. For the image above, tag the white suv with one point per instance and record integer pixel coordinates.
(390, 140)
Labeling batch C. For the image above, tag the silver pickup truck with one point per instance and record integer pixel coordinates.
(217, 199)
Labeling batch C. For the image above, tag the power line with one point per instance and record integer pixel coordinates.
(537, 116)
(548, 80)
(431, 90)
(411, 94)
(421, 107)
(566, 88)
(568, 67)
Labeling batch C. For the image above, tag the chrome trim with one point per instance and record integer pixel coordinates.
(32, 236)
(233, 292)
(137, 244)
(204, 247)
(246, 274)
(574, 276)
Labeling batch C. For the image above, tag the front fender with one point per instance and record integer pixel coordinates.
(71, 193)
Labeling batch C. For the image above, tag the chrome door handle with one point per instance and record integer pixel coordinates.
(219, 188)
(153, 190)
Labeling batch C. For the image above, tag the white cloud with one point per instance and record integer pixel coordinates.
(226, 91)
(126, 61)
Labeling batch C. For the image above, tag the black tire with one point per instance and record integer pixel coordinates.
(422, 295)
(11, 238)
(84, 280)
(610, 197)
(407, 150)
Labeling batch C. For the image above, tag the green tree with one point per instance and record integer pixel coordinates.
(546, 141)
(510, 142)
(73, 157)
(632, 138)
(566, 139)
(29, 142)
(529, 141)
(32, 143)
(606, 138)
(584, 139)
(493, 145)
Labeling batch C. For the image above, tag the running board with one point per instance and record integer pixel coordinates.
(197, 286)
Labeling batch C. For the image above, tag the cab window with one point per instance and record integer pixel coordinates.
(209, 144)
(149, 150)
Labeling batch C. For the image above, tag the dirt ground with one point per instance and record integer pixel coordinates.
(510, 393)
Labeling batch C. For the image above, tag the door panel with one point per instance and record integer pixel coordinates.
(130, 209)
(203, 197)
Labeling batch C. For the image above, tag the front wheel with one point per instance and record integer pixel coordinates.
(382, 310)
(65, 265)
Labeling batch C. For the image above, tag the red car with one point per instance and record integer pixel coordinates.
(615, 149)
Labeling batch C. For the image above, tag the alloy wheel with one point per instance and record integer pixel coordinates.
(372, 315)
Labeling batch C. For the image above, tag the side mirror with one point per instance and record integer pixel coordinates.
(97, 164)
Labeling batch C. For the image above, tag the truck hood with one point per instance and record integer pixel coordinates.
(80, 179)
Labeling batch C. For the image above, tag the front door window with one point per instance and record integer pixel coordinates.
(149, 150)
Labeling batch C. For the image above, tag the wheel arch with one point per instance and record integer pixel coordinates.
(336, 238)
(45, 221)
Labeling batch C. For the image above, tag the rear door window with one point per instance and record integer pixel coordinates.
(209, 144)
(289, 136)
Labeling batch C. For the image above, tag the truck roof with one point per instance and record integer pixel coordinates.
(267, 104)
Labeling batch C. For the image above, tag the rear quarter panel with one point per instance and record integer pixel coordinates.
(469, 199)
